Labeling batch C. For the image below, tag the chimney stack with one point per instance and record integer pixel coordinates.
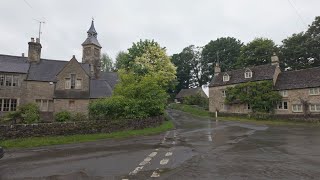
(217, 69)
(22, 54)
(34, 52)
(274, 59)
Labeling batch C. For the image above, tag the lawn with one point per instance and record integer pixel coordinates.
(197, 111)
(55, 140)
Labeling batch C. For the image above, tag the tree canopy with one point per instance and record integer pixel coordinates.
(106, 63)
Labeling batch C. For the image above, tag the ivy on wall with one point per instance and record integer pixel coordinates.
(259, 95)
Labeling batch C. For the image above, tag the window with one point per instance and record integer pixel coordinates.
(284, 93)
(248, 73)
(224, 107)
(297, 108)
(45, 105)
(67, 83)
(78, 84)
(9, 80)
(8, 104)
(283, 105)
(2, 80)
(314, 107)
(314, 91)
(224, 93)
(73, 81)
(248, 106)
(226, 77)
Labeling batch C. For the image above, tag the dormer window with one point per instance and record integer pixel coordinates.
(226, 77)
(248, 73)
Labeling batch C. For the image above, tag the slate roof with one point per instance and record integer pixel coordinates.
(188, 92)
(91, 40)
(104, 85)
(47, 70)
(14, 64)
(259, 73)
(306, 78)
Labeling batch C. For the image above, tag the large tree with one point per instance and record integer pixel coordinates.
(256, 52)
(226, 49)
(106, 63)
(183, 63)
(302, 50)
(121, 60)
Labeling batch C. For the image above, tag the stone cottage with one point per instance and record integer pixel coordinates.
(300, 89)
(54, 85)
(189, 92)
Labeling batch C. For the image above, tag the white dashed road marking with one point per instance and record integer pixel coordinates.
(155, 174)
(169, 154)
(153, 154)
(136, 170)
(164, 161)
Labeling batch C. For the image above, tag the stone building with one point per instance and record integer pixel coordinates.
(53, 84)
(300, 89)
(189, 92)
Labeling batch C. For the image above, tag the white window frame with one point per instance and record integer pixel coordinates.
(67, 83)
(9, 104)
(314, 91)
(248, 74)
(224, 93)
(295, 108)
(78, 84)
(281, 105)
(314, 107)
(284, 93)
(248, 106)
(226, 78)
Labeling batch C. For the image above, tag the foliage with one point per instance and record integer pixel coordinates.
(183, 63)
(259, 95)
(27, 114)
(63, 116)
(79, 116)
(194, 110)
(106, 63)
(302, 50)
(134, 97)
(227, 49)
(256, 52)
(122, 60)
(197, 100)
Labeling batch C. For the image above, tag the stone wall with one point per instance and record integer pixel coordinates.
(71, 128)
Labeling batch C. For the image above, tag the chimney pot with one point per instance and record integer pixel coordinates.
(37, 40)
(22, 55)
(32, 39)
(73, 56)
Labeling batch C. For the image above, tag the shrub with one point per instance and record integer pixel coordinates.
(79, 116)
(197, 100)
(62, 116)
(28, 114)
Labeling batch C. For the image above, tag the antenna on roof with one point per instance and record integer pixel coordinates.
(40, 23)
(218, 60)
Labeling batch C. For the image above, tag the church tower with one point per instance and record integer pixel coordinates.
(91, 51)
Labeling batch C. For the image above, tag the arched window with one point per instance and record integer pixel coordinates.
(248, 73)
(226, 77)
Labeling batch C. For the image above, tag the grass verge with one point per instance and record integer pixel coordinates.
(55, 140)
(204, 113)
(197, 111)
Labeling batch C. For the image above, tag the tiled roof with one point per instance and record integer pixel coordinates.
(259, 73)
(305, 78)
(47, 70)
(188, 92)
(14, 64)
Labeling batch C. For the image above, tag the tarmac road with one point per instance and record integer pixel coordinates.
(199, 148)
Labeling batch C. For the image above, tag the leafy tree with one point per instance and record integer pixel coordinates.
(106, 63)
(294, 52)
(183, 63)
(302, 50)
(259, 95)
(226, 48)
(122, 60)
(256, 52)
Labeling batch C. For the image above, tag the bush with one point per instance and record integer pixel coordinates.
(197, 100)
(79, 116)
(62, 116)
(28, 114)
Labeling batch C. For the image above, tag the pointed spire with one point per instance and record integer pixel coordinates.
(92, 31)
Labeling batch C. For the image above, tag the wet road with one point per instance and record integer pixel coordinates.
(198, 148)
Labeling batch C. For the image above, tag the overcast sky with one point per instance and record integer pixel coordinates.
(175, 24)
